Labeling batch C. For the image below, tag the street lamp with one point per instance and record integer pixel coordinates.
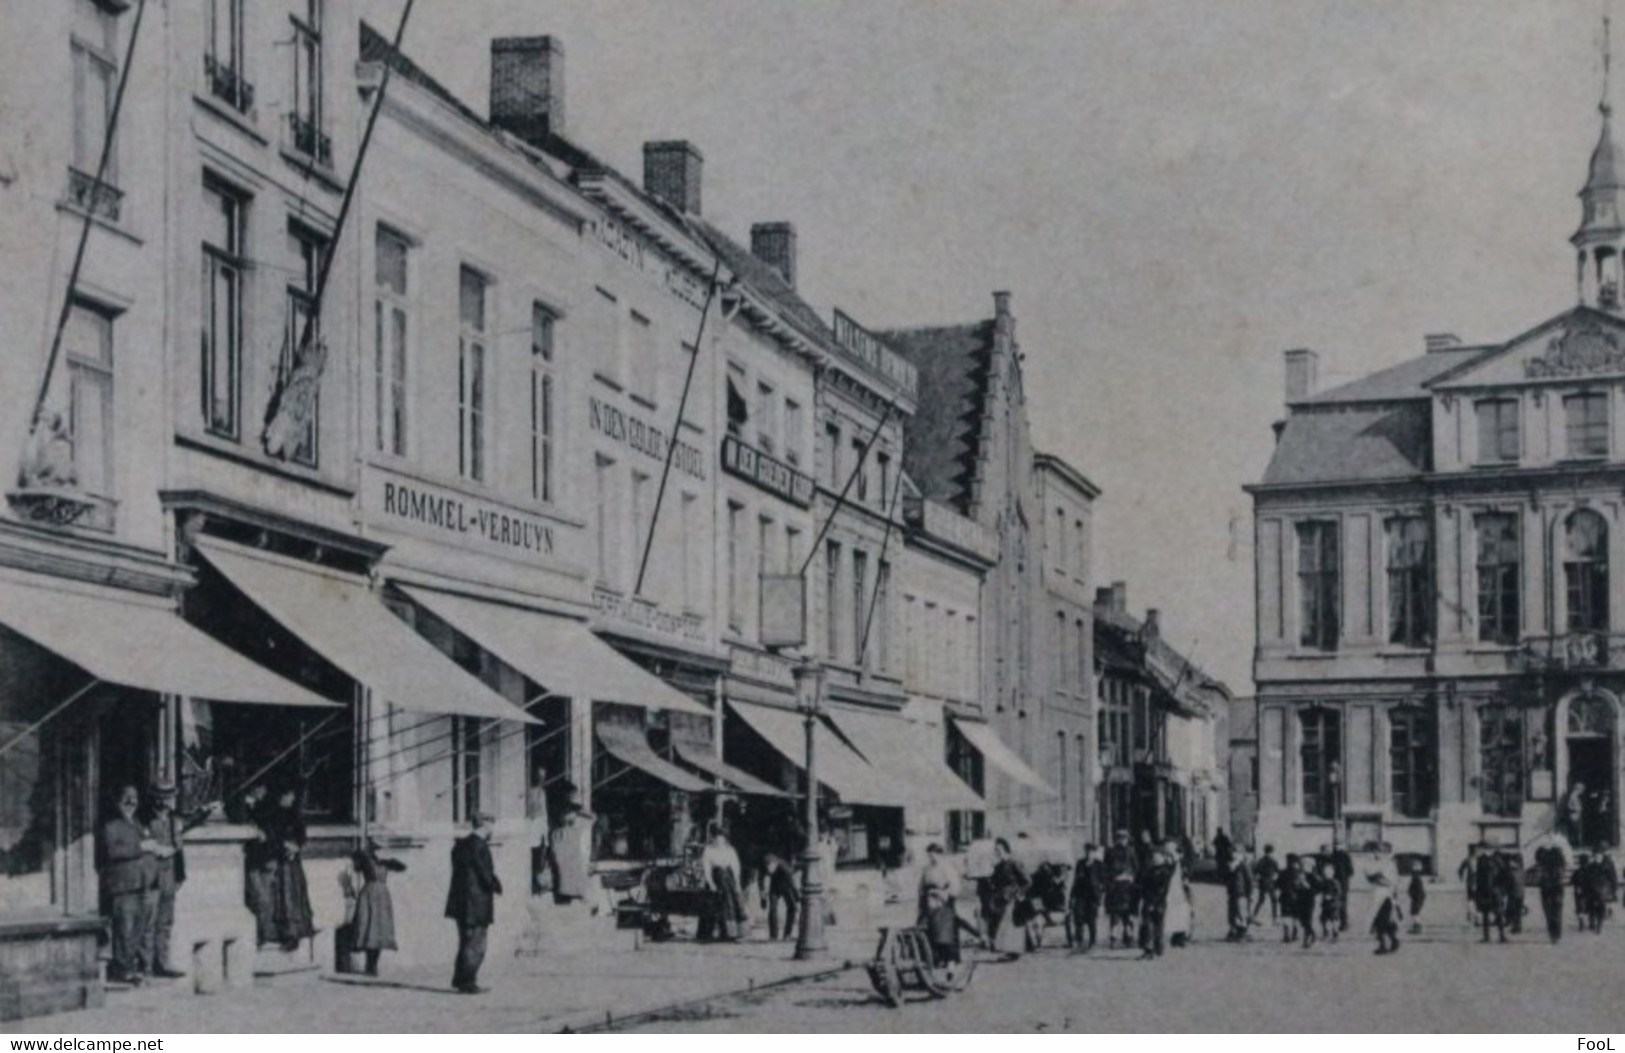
(1334, 776)
(810, 941)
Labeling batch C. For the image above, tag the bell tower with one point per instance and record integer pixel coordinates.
(1601, 236)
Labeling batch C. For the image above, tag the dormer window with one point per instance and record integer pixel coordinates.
(1585, 417)
(1497, 430)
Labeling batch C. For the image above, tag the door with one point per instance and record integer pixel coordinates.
(1591, 766)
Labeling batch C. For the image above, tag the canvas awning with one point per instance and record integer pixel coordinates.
(146, 647)
(560, 654)
(852, 778)
(913, 752)
(700, 757)
(1002, 757)
(630, 746)
(340, 618)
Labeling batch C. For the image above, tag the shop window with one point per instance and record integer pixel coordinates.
(1412, 749)
(1585, 571)
(1501, 760)
(1499, 565)
(1497, 430)
(1320, 756)
(223, 265)
(391, 330)
(1410, 582)
(467, 770)
(1319, 585)
(1585, 420)
(471, 375)
(227, 748)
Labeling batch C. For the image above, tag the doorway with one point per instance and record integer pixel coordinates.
(1591, 766)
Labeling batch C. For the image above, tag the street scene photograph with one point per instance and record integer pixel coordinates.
(728, 517)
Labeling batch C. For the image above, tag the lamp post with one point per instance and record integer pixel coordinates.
(1334, 776)
(810, 941)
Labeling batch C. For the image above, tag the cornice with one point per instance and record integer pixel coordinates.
(49, 552)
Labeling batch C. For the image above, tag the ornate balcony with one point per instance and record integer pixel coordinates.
(227, 85)
(310, 140)
(102, 200)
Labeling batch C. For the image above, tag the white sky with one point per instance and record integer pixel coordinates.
(1174, 192)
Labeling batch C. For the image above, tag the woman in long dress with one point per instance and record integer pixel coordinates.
(938, 916)
(373, 930)
(1177, 920)
(1007, 886)
(288, 916)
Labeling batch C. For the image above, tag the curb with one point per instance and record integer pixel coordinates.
(588, 1024)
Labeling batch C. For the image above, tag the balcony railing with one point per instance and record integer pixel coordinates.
(227, 85)
(99, 199)
(310, 140)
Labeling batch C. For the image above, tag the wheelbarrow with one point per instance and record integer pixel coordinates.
(904, 962)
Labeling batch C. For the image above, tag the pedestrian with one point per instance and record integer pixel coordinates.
(1267, 881)
(1083, 901)
(1238, 894)
(536, 821)
(1589, 878)
(1177, 914)
(167, 831)
(1549, 865)
(1292, 885)
(1574, 813)
(1156, 881)
(1306, 896)
(1464, 874)
(1331, 903)
(1122, 867)
(1343, 876)
(288, 918)
(373, 929)
(1610, 882)
(1418, 894)
(1385, 923)
(937, 911)
(782, 895)
(1488, 891)
(719, 872)
(1512, 885)
(254, 806)
(569, 850)
(471, 901)
(1007, 887)
(126, 871)
(1224, 852)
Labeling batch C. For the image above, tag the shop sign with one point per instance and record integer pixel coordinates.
(614, 607)
(452, 515)
(866, 349)
(635, 252)
(635, 433)
(769, 473)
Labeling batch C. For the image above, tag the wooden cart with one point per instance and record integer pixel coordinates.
(903, 962)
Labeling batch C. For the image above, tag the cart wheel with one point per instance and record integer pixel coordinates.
(887, 983)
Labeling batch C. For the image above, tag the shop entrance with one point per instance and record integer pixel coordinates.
(1589, 807)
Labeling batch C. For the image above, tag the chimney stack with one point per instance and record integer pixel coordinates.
(527, 87)
(671, 172)
(1302, 369)
(1441, 342)
(775, 245)
(1153, 623)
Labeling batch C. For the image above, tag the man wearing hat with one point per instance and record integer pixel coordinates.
(165, 830)
(471, 903)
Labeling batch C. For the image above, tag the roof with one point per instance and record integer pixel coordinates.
(1606, 163)
(944, 440)
(1121, 641)
(761, 276)
(1353, 444)
(1403, 381)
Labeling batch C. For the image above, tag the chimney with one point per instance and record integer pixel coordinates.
(1302, 367)
(1441, 342)
(671, 172)
(527, 87)
(1152, 627)
(1001, 303)
(1103, 599)
(775, 245)
(1119, 597)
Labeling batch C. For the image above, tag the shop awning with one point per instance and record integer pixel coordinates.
(1002, 757)
(629, 745)
(852, 778)
(338, 616)
(700, 757)
(560, 654)
(912, 752)
(149, 648)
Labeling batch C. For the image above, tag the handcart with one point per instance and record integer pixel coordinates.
(904, 962)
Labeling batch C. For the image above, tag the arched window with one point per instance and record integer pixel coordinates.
(1585, 571)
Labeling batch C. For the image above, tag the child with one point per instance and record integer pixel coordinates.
(1290, 882)
(1418, 894)
(1331, 914)
(1385, 925)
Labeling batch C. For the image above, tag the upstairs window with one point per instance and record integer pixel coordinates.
(223, 58)
(307, 249)
(1320, 752)
(95, 83)
(738, 410)
(391, 330)
(1497, 430)
(1585, 418)
(1498, 571)
(471, 378)
(542, 322)
(306, 120)
(1585, 571)
(792, 433)
(222, 304)
(766, 418)
(1500, 760)
(1410, 580)
(82, 411)
(1319, 585)
(1412, 747)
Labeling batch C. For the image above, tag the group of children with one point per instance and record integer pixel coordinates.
(1309, 897)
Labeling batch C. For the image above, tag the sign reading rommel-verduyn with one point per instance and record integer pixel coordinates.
(442, 513)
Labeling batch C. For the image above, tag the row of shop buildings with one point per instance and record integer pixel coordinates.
(478, 480)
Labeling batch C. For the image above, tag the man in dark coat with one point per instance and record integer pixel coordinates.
(1154, 881)
(1489, 894)
(1550, 864)
(167, 831)
(1088, 886)
(471, 903)
(127, 871)
(1224, 852)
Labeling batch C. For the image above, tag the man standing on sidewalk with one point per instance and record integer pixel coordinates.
(471, 902)
(1550, 864)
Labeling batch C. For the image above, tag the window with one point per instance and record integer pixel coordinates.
(832, 603)
(882, 619)
(792, 550)
(766, 419)
(643, 369)
(1410, 574)
(883, 472)
(1059, 549)
(541, 402)
(1498, 570)
(84, 410)
(307, 249)
(736, 569)
(223, 254)
(792, 433)
(391, 314)
(611, 365)
(1061, 770)
(1585, 419)
(471, 375)
(1585, 571)
(1140, 724)
(603, 515)
(1320, 754)
(1500, 760)
(640, 521)
(1080, 543)
(860, 491)
(860, 608)
(1081, 688)
(1497, 430)
(832, 456)
(1318, 585)
(1059, 646)
(689, 571)
(465, 767)
(95, 83)
(1412, 747)
(305, 122)
(738, 411)
(764, 558)
(223, 59)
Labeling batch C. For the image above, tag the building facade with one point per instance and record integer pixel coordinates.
(1438, 585)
